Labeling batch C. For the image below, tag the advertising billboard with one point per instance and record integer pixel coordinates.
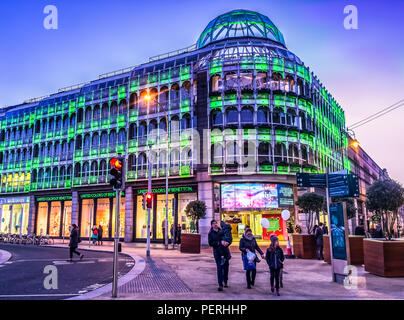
(256, 196)
(337, 231)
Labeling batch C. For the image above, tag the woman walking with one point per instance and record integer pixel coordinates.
(274, 257)
(74, 242)
(100, 231)
(249, 244)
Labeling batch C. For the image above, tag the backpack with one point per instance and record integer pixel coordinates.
(95, 231)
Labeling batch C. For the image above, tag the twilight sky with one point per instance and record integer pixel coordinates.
(363, 69)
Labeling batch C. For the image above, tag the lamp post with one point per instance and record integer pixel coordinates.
(148, 98)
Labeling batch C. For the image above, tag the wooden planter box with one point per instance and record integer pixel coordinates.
(355, 246)
(190, 243)
(384, 258)
(304, 246)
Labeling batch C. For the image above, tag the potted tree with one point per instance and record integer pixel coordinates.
(304, 244)
(191, 242)
(384, 257)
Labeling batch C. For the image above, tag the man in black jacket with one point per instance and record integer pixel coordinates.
(74, 242)
(221, 253)
(319, 241)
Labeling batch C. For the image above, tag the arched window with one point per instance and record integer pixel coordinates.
(65, 123)
(36, 151)
(88, 114)
(163, 98)
(77, 170)
(44, 127)
(112, 140)
(302, 117)
(293, 153)
(232, 152)
(103, 168)
(142, 132)
(153, 100)
(162, 159)
(73, 120)
(217, 118)
(123, 107)
(104, 139)
(143, 103)
(175, 96)
(79, 142)
(55, 174)
(133, 101)
(132, 131)
(186, 90)
(87, 143)
(261, 80)
(114, 109)
(122, 137)
(33, 176)
(231, 81)
(231, 116)
(69, 174)
(56, 152)
(186, 157)
(264, 153)
(80, 114)
(186, 122)
(305, 158)
(262, 116)
(64, 150)
(217, 153)
(41, 175)
(97, 113)
(104, 111)
(47, 176)
(95, 143)
(94, 169)
(247, 115)
(58, 124)
(62, 174)
(86, 170)
(280, 152)
(132, 162)
(142, 162)
(174, 158)
(162, 128)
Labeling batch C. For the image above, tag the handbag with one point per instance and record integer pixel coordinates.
(248, 264)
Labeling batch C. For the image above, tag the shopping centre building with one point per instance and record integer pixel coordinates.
(243, 114)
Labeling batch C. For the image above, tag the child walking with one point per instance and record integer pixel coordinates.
(274, 257)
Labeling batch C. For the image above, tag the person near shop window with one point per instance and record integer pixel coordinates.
(220, 250)
(74, 242)
(178, 234)
(94, 235)
(100, 231)
(248, 245)
(318, 234)
(274, 258)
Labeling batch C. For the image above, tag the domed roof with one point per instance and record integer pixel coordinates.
(240, 23)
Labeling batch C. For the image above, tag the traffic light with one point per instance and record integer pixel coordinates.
(149, 198)
(116, 172)
(144, 201)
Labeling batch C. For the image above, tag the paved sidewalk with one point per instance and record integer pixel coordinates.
(4, 256)
(170, 274)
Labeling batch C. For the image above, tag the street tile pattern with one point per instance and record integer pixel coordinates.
(157, 277)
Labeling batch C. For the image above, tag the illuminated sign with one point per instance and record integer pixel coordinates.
(55, 198)
(170, 190)
(99, 195)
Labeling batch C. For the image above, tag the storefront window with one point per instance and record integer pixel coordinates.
(20, 218)
(121, 219)
(183, 199)
(161, 214)
(141, 220)
(102, 216)
(42, 218)
(67, 218)
(5, 219)
(87, 214)
(54, 218)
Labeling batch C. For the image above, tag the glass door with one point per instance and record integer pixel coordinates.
(54, 218)
(42, 218)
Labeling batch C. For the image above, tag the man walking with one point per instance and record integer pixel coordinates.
(221, 253)
(319, 241)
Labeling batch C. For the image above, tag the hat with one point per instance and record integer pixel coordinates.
(274, 238)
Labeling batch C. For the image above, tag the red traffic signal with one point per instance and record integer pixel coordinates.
(116, 163)
(149, 199)
(116, 180)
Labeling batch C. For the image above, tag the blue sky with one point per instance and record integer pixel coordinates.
(363, 69)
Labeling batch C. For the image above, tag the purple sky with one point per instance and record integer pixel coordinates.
(363, 69)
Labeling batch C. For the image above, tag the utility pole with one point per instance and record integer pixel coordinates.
(148, 209)
(329, 223)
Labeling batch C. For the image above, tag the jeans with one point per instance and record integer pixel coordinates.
(250, 275)
(275, 276)
(222, 271)
(320, 252)
(73, 250)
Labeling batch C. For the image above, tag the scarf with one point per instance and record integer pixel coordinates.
(249, 237)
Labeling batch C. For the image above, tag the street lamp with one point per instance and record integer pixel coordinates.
(148, 97)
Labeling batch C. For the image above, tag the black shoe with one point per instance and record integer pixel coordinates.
(81, 257)
(252, 283)
(220, 289)
(249, 287)
(225, 285)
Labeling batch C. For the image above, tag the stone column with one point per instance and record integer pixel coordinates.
(205, 193)
(128, 215)
(75, 208)
(31, 215)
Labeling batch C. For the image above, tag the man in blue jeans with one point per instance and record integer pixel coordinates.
(221, 252)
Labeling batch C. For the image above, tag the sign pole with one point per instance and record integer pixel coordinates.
(116, 240)
(346, 227)
(329, 223)
(148, 209)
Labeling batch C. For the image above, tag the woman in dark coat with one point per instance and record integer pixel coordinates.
(249, 244)
(74, 242)
(275, 257)
(100, 231)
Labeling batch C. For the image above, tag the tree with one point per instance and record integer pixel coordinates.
(196, 210)
(311, 203)
(384, 197)
(350, 206)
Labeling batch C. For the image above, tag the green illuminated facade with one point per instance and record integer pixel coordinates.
(237, 94)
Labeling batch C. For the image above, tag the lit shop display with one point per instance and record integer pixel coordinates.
(54, 215)
(245, 205)
(14, 215)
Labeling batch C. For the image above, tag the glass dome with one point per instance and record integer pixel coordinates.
(240, 23)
